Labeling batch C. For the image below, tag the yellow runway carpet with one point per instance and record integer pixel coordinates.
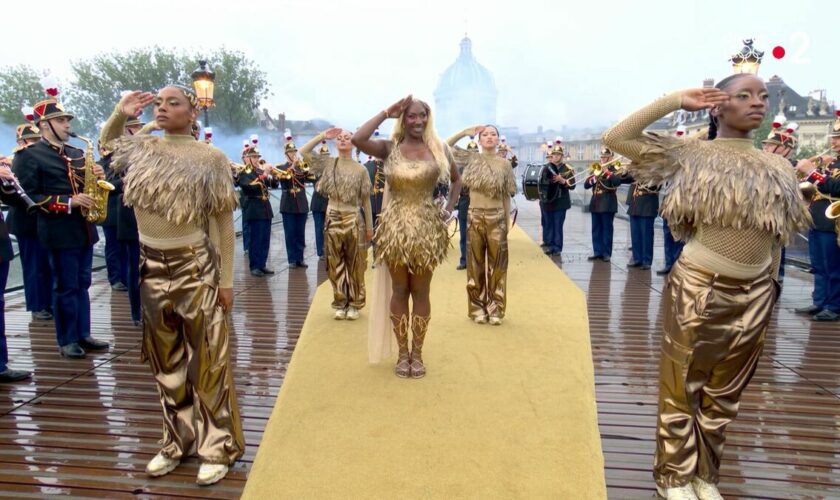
(504, 411)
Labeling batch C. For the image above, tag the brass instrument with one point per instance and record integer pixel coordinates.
(806, 187)
(98, 189)
(238, 168)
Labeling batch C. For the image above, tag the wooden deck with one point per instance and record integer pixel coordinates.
(86, 428)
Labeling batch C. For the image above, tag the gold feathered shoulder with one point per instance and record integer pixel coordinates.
(712, 182)
(489, 175)
(182, 181)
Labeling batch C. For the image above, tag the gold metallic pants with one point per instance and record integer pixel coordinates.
(346, 257)
(487, 261)
(713, 335)
(185, 339)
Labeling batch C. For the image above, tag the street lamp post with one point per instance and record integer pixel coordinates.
(203, 80)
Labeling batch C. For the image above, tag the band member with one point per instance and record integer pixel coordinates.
(489, 179)
(52, 173)
(642, 208)
(294, 206)
(412, 236)
(345, 183)
(782, 141)
(10, 197)
(464, 199)
(672, 247)
(822, 237)
(34, 260)
(722, 291)
(318, 206)
(183, 197)
(543, 219)
(376, 173)
(504, 151)
(254, 181)
(603, 206)
(559, 179)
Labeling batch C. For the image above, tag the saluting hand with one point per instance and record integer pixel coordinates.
(704, 98)
(399, 107)
(133, 102)
(332, 133)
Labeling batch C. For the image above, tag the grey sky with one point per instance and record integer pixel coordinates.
(555, 63)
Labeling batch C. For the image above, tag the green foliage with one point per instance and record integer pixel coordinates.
(806, 151)
(762, 131)
(19, 86)
(98, 81)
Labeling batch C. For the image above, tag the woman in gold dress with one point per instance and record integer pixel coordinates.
(182, 193)
(345, 183)
(735, 207)
(411, 236)
(490, 181)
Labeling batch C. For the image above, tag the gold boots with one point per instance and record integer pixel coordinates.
(419, 326)
(402, 369)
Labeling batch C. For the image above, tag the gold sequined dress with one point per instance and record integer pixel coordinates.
(410, 231)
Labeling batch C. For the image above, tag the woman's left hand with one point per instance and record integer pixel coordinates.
(369, 235)
(226, 299)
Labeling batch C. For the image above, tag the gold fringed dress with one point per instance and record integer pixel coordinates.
(410, 231)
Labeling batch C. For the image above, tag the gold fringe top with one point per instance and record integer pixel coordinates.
(179, 179)
(490, 175)
(724, 183)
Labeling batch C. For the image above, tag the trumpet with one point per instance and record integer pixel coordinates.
(238, 168)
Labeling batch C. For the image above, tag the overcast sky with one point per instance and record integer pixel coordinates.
(555, 63)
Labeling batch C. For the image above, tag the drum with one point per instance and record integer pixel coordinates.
(531, 182)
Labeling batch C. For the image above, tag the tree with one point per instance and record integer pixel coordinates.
(19, 86)
(240, 84)
(806, 151)
(762, 131)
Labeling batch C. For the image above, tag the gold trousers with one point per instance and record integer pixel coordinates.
(346, 257)
(185, 340)
(487, 261)
(713, 335)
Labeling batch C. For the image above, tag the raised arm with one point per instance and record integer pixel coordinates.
(318, 162)
(457, 136)
(626, 136)
(378, 147)
(131, 104)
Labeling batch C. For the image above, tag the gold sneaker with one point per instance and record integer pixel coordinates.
(161, 465)
(495, 320)
(704, 490)
(211, 473)
(340, 314)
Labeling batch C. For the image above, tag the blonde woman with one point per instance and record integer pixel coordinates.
(411, 237)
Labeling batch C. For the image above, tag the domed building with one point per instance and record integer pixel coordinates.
(466, 94)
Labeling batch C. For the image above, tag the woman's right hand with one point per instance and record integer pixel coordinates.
(396, 109)
(704, 98)
(474, 130)
(332, 133)
(133, 102)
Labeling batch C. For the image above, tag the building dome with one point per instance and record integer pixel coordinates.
(466, 94)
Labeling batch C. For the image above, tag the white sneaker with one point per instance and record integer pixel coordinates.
(211, 473)
(704, 490)
(340, 314)
(352, 313)
(677, 493)
(495, 320)
(480, 319)
(161, 465)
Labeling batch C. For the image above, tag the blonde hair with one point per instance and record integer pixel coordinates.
(430, 138)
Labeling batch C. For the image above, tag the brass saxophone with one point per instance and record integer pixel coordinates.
(98, 189)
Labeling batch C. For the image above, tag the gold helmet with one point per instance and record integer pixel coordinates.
(324, 149)
(290, 145)
(557, 147)
(472, 146)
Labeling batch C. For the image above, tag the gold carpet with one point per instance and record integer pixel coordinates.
(504, 411)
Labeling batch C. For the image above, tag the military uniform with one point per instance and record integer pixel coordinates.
(556, 202)
(116, 260)
(822, 245)
(52, 175)
(318, 206)
(35, 263)
(603, 207)
(642, 207)
(257, 212)
(377, 181)
(6, 255)
(294, 209)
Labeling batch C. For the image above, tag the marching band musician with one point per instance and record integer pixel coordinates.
(254, 181)
(464, 199)
(52, 173)
(603, 206)
(642, 207)
(34, 259)
(504, 150)
(560, 180)
(822, 238)
(671, 246)
(318, 206)
(294, 206)
(346, 185)
(12, 198)
(783, 143)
